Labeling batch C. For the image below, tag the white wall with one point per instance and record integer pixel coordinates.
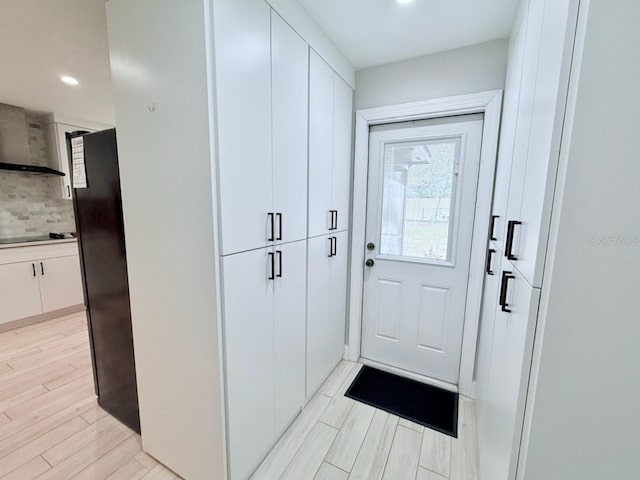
(582, 415)
(464, 70)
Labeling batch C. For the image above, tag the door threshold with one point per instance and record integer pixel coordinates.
(414, 376)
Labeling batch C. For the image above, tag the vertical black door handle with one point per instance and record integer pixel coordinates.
(271, 227)
(511, 227)
(492, 235)
(273, 267)
(334, 251)
(279, 253)
(41, 268)
(330, 247)
(506, 276)
(33, 266)
(335, 220)
(279, 218)
(489, 258)
(68, 191)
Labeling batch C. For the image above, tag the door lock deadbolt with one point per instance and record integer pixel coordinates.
(369, 262)
(370, 246)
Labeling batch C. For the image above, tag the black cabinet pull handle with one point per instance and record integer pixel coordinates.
(335, 220)
(492, 235)
(33, 266)
(272, 227)
(42, 268)
(279, 218)
(511, 227)
(68, 191)
(506, 276)
(279, 253)
(273, 267)
(330, 247)
(489, 259)
(334, 252)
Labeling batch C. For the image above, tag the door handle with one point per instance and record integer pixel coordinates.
(335, 220)
(331, 247)
(506, 276)
(279, 218)
(369, 262)
(489, 258)
(335, 246)
(511, 227)
(279, 253)
(272, 227)
(492, 235)
(42, 268)
(33, 266)
(273, 267)
(68, 191)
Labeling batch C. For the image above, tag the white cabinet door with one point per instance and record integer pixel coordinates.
(243, 81)
(248, 321)
(290, 97)
(60, 282)
(342, 135)
(321, 104)
(289, 331)
(538, 143)
(508, 126)
(320, 337)
(336, 327)
(20, 291)
(508, 376)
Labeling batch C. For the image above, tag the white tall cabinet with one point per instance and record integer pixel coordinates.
(540, 54)
(249, 274)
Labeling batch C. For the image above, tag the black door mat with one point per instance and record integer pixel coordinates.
(423, 404)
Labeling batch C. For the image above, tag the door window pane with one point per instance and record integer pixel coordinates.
(419, 190)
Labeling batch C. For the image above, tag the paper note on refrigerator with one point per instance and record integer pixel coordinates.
(77, 163)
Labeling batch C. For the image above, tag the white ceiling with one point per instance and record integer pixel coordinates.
(374, 32)
(40, 40)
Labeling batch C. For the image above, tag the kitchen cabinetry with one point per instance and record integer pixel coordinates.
(264, 294)
(330, 134)
(326, 306)
(262, 127)
(36, 280)
(539, 61)
(56, 129)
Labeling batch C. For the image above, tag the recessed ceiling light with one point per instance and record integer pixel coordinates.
(404, 1)
(69, 80)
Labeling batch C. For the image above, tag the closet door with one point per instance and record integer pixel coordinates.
(320, 336)
(508, 127)
(336, 328)
(243, 82)
(321, 87)
(289, 331)
(509, 376)
(342, 135)
(290, 91)
(532, 183)
(249, 353)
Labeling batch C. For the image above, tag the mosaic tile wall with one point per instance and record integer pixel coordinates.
(27, 206)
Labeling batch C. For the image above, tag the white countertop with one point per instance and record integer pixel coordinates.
(33, 243)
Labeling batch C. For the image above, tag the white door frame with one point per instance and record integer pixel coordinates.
(490, 104)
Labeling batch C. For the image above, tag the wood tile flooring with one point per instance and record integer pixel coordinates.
(336, 438)
(51, 427)
(50, 424)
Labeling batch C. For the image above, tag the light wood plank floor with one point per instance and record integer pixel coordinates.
(336, 438)
(50, 424)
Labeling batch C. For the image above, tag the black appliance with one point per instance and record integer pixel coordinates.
(99, 223)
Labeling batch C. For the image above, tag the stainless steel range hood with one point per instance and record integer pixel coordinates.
(14, 143)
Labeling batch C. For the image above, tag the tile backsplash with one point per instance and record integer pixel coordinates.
(27, 206)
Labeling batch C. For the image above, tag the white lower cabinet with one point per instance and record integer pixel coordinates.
(503, 369)
(39, 285)
(264, 318)
(326, 306)
(20, 291)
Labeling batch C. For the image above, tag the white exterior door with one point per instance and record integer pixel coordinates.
(60, 283)
(423, 180)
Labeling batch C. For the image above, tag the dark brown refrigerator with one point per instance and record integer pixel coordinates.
(99, 224)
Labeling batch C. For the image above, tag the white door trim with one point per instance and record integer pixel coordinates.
(489, 103)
